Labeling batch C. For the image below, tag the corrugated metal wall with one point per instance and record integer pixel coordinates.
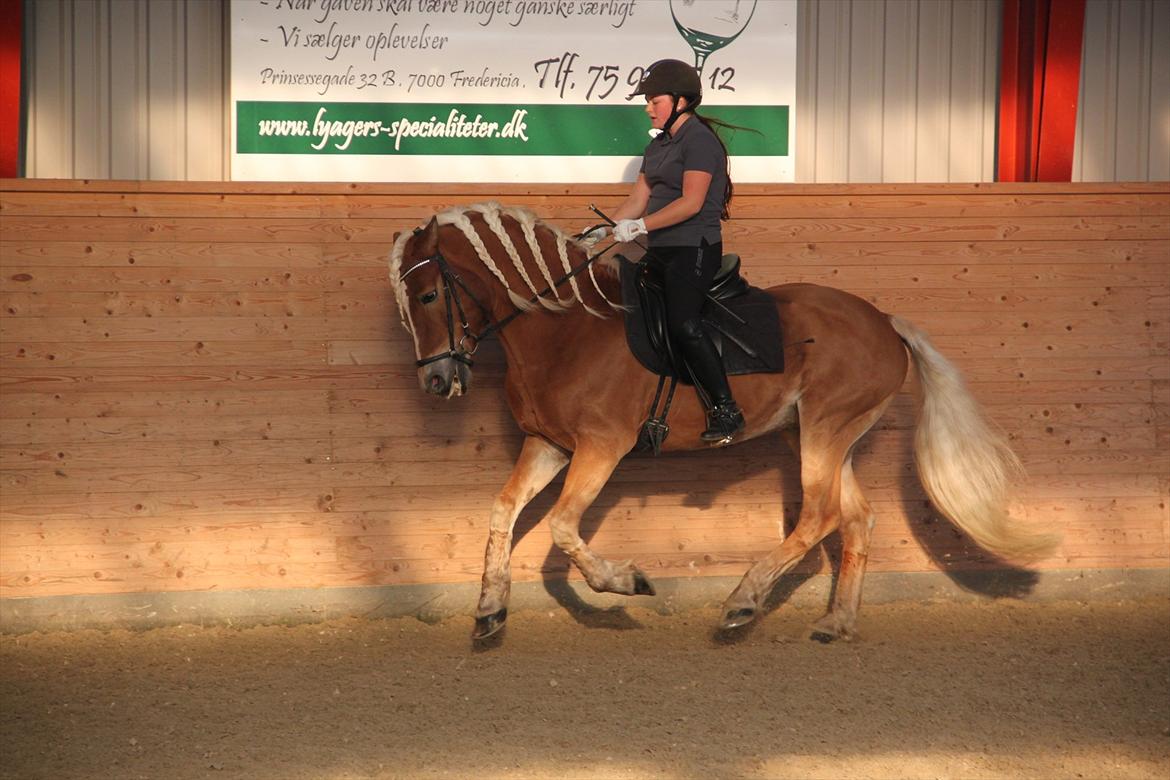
(1123, 117)
(127, 89)
(887, 90)
(897, 90)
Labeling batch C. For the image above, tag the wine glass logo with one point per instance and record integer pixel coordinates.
(709, 25)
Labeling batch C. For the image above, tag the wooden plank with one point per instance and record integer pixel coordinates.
(476, 192)
(163, 304)
(191, 352)
(627, 518)
(569, 207)
(738, 534)
(858, 279)
(30, 330)
(534, 562)
(224, 280)
(757, 250)
(1031, 325)
(1085, 345)
(777, 490)
(1039, 431)
(214, 506)
(883, 455)
(172, 378)
(120, 432)
(20, 252)
(312, 230)
(130, 479)
(1107, 300)
(180, 455)
(183, 407)
(51, 392)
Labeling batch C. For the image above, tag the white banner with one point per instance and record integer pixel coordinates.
(497, 90)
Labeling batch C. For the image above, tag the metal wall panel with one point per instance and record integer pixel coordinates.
(897, 90)
(127, 89)
(887, 90)
(1123, 116)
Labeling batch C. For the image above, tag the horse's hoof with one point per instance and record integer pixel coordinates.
(824, 637)
(736, 618)
(489, 624)
(642, 586)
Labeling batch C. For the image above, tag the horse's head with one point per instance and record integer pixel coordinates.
(469, 272)
(442, 307)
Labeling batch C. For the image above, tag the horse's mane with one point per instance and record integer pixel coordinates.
(493, 216)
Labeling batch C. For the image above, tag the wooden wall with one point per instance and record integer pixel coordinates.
(206, 387)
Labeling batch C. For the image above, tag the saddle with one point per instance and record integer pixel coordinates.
(741, 320)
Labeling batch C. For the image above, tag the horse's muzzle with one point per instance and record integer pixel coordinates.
(446, 378)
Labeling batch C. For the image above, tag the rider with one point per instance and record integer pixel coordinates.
(681, 194)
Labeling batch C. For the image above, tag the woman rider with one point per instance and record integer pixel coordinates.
(679, 198)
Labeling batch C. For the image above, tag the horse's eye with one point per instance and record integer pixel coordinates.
(428, 297)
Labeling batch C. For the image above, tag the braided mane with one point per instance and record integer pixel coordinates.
(494, 215)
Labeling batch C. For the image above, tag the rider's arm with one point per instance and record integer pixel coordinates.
(694, 192)
(635, 203)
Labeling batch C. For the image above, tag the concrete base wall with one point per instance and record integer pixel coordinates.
(436, 602)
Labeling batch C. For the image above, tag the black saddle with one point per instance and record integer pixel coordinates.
(742, 322)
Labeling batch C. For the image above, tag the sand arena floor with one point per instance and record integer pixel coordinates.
(991, 689)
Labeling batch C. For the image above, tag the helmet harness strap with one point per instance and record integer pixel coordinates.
(675, 113)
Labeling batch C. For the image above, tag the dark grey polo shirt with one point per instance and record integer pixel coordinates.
(693, 147)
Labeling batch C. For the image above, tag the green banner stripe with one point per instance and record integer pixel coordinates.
(482, 129)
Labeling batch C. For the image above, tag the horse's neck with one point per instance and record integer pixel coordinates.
(542, 342)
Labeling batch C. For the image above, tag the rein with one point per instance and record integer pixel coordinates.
(452, 282)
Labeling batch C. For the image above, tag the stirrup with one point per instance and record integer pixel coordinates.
(724, 421)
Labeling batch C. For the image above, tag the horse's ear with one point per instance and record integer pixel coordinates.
(429, 237)
(397, 233)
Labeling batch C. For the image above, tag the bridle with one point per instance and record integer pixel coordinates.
(452, 283)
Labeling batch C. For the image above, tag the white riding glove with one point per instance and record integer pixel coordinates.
(628, 229)
(593, 236)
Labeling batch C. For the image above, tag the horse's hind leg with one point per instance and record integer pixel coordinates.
(826, 479)
(856, 526)
(538, 463)
(820, 479)
(588, 472)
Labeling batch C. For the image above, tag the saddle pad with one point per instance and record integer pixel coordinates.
(645, 328)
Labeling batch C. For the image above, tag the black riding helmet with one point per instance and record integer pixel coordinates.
(674, 78)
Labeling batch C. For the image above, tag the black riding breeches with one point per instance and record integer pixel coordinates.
(687, 276)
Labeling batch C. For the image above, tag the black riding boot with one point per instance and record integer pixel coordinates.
(724, 419)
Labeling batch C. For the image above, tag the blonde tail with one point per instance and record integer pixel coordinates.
(966, 465)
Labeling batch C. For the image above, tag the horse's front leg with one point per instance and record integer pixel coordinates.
(589, 470)
(538, 463)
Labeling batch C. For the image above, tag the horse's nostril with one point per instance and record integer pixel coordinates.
(436, 382)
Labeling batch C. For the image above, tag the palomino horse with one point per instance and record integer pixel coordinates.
(581, 397)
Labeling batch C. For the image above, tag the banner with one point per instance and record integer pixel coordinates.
(497, 90)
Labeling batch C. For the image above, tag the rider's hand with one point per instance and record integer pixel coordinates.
(628, 229)
(592, 235)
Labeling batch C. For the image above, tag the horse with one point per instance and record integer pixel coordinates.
(580, 398)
